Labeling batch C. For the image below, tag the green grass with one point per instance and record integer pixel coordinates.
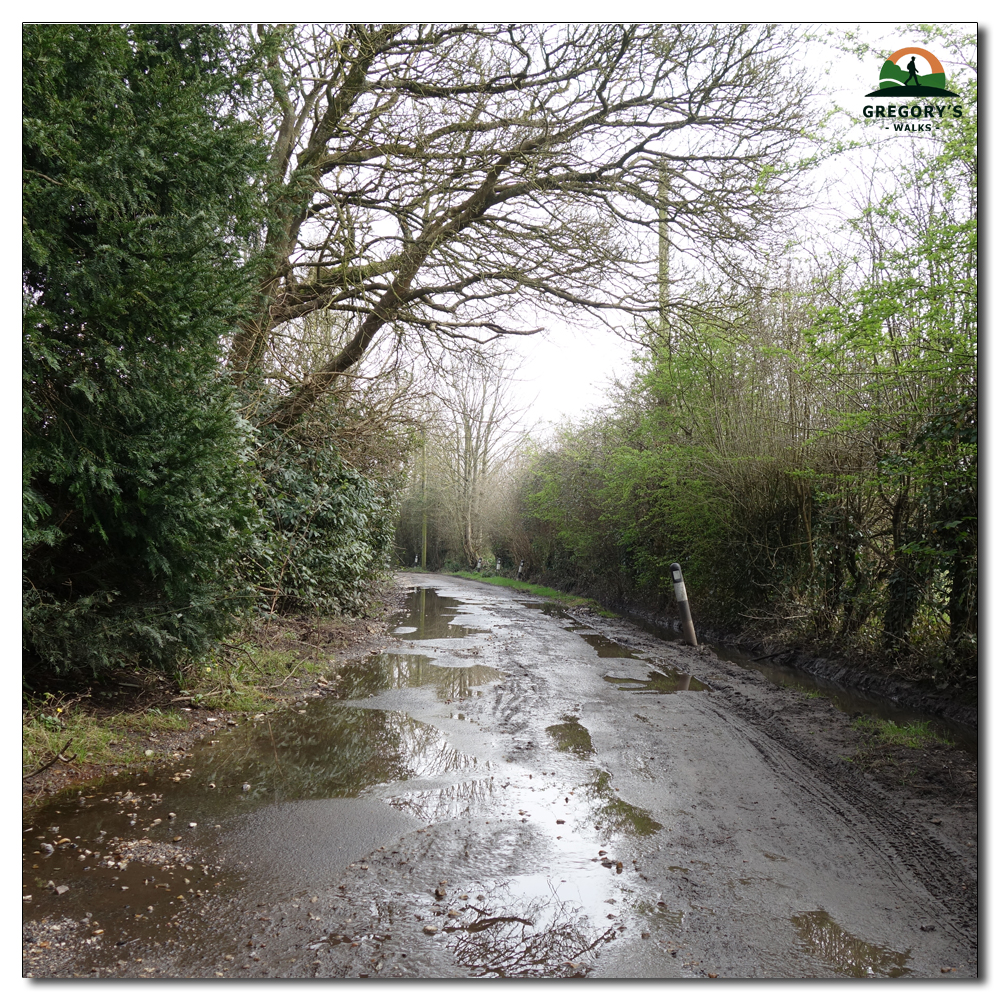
(244, 680)
(47, 727)
(886, 733)
(550, 593)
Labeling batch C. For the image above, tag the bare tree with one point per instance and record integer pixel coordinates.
(460, 477)
(443, 179)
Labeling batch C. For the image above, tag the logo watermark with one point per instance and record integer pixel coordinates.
(911, 95)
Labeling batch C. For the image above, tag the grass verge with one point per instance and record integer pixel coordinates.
(49, 729)
(134, 721)
(549, 593)
(884, 732)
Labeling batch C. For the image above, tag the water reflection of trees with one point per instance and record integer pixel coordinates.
(571, 737)
(332, 751)
(659, 682)
(383, 671)
(513, 936)
(432, 616)
(849, 955)
(436, 805)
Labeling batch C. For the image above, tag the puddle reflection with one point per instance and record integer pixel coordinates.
(605, 647)
(332, 751)
(659, 682)
(438, 805)
(615, 816)
(848, 955)
(384, 671)
(431, 616)
(509, 934)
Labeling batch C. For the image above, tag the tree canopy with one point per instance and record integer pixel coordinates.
(452, 180)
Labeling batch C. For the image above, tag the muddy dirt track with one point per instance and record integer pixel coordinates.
(508, 789)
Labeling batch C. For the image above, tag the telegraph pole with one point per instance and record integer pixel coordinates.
(663, 269)
(423, 530)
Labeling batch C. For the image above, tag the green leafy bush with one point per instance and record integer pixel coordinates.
(138, 199)
(327, 530)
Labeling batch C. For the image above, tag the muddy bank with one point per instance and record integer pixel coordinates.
(903, 692)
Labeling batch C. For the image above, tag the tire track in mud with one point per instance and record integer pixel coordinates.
(878, 819)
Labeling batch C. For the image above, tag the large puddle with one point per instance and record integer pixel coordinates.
(431, 616)
(658, 682)
(267, 800)
(291, 799)
(385, 671)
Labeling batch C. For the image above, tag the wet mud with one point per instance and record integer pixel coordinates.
(509, 790)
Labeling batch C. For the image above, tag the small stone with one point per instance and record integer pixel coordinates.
(192, 825)
(60, 889)
(176, 839)
(149, 753)
(432, 929)
(936, 820)
(246, 786)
